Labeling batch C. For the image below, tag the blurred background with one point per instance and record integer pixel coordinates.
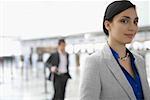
(29, 32)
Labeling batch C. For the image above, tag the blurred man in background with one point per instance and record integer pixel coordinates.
(58, 64)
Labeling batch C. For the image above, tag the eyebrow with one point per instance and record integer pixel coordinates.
(130, 18)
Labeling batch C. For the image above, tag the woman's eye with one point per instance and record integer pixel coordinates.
(135, 22)
(124, 21)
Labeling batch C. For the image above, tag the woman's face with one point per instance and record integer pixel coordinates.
(124, 26)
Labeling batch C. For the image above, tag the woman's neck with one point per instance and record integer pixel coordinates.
(118, 47)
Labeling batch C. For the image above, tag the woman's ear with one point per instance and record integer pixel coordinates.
(107, 25)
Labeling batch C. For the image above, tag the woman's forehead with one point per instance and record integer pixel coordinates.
(131, 13)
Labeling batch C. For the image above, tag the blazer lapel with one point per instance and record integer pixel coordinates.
(117, 72)
(142, 73)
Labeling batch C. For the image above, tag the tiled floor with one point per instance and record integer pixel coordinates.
(30, 85)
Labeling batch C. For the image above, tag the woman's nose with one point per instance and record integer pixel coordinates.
(133, 27)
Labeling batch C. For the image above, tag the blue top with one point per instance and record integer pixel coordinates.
(135, 82)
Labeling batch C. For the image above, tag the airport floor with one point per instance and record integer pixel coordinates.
(29, 84)
(17, 83)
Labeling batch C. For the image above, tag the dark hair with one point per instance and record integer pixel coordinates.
(61, 41)
(114, 9)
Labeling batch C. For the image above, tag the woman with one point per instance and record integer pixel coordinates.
(115, 73)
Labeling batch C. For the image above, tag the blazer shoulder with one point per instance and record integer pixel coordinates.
(95, 58)
(54, 53)
(137, 56)
(97, 55)
(52, 57)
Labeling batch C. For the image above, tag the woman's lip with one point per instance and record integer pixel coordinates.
(129, 35)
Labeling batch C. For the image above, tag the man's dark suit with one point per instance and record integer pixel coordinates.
(59, 80)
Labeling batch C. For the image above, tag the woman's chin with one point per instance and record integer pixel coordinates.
(127, 42)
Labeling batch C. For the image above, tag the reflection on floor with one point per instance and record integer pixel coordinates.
(17, 83)
(27, 84)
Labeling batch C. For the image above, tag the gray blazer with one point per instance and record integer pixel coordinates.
(103, 79)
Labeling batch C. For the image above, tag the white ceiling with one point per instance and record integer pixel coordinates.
(30, 19)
